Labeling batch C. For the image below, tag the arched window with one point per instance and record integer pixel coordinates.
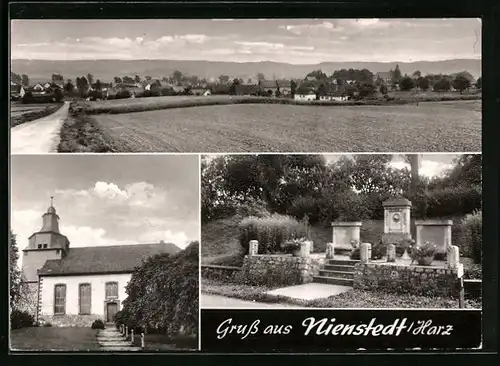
(59, 299)
(111, 290)
(85, 299)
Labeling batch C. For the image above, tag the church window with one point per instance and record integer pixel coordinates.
(111, 290)
(59, 299)
(45, 246)
(85, 298)
(39, 246)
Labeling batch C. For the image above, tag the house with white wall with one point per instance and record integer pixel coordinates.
(75, 286)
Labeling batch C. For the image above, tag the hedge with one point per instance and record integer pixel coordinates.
(270, 231)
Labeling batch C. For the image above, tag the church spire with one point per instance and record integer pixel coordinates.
(50, 219)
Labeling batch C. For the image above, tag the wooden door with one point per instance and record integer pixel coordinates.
(111, 310)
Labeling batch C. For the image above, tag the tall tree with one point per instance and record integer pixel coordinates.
(69, 87)
(479, 83)
(416, 74)
(137, 79)
(90, 79)
(14, 272)
(25, 80)
(148, 78)
(396, 75)
(117, 79)
(177, 76)
(461, 83)
(223, 79)
(260, 76)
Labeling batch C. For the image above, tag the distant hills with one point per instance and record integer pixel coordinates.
(105, 70)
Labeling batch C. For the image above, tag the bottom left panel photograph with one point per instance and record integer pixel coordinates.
(104, 253)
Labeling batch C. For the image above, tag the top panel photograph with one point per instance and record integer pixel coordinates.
(245, 85)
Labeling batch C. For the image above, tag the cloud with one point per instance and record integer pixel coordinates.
(178, 238)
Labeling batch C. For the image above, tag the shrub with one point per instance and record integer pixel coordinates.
(471, 236)
(21, 319)
(47, 325)
(379, 250)
(422, 252)
(292, 245)
(450, 201)
(97, 324)
(355, 254)
(473, 272)
(123, 94)
(270, 231)
(252, 207)
(310, 206)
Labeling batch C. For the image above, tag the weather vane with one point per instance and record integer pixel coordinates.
(51, 200)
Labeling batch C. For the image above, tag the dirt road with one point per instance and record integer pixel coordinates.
(38, 136)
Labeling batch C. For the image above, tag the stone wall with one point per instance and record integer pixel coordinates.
(70, 320)
(431, 281)
(279, 270)
(221, 273)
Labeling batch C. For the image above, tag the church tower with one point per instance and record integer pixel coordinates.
(48, 243)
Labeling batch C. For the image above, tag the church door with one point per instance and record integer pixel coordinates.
(111, 310)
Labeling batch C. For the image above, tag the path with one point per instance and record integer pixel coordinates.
(39, 136)
(110, 339)
(209, 301)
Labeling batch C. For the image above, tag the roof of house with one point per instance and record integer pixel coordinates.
(383, 75)
(220, 88)
(105, 259)
(284, 83)
(268, 84)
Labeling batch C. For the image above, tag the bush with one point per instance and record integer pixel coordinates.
(471, 236)
(97, 324)
(355, 254)
(21, 319)
(307, 205)
(424, 251)
(450, 201)
(123, 94)
(271, 232)
(252, 207)
(379, 250)
(47, 325)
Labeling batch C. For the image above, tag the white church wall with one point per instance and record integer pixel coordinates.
(98, 297)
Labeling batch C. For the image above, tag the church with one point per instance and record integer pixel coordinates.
(74, 286)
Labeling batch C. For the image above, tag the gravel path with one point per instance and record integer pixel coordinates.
(39, 136)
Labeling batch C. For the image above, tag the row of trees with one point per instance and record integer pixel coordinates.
(20, 79)
(349, 189)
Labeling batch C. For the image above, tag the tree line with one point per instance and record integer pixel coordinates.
(349, 189)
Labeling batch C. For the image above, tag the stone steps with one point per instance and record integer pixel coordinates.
(333, 280)
(336, 274)
(110, 339)
(339, 267)
(343, 262)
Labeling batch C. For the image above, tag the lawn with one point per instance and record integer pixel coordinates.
(430, 126)
(54, 339)
(161, 342)
(350, 299)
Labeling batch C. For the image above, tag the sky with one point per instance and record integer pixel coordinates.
(431, 165)
(107, 200)
(296, 41)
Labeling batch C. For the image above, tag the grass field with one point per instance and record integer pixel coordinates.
(21, 113)
(54, 339)
(431, 126)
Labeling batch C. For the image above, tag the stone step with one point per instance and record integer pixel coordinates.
(339, 267)
(115, 344)
(333, 280)
(100, 338)
(345, 262)
(336, 274)
(121, 349)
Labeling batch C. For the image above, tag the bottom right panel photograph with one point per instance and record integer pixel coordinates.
(346, 231)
